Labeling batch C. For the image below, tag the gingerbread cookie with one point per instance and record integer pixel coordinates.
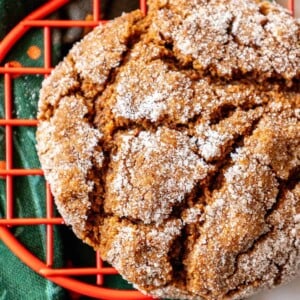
(171, 143)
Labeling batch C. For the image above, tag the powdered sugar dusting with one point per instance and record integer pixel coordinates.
(297, 218)
(148, 167)
(249, 191)
(210, 142)
(270, 145)
(214, 141)
(192, 215)
(71, 156)
(96, 55)
(51, 91)
(147, 91)
(278, 253)
(231, 35)
(173, 292)
(152, 267)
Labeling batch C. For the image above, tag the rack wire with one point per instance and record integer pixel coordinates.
(65, 277)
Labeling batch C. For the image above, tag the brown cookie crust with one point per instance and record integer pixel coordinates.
(171, 143)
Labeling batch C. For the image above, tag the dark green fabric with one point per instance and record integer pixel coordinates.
(11, 12)
(17, 281)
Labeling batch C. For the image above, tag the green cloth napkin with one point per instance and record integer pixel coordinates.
(17, 281)
(11, 12)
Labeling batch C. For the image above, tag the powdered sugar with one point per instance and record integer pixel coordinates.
(96, 55)
(148, 167)
(51, 91)
(192, 36)
(174, 292)
(236, 35)
(297, 218)
(71, 156)
(147, 91)
(211, 142)
(192, 215)
(152, 267)
(232, 220)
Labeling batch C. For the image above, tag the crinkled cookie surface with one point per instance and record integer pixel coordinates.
(171, 143)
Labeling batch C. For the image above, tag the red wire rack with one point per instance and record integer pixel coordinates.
(65, 277)
(61, 276)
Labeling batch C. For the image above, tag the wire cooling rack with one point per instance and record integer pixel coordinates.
(65, 277)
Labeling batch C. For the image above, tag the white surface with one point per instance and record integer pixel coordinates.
(290, 291)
